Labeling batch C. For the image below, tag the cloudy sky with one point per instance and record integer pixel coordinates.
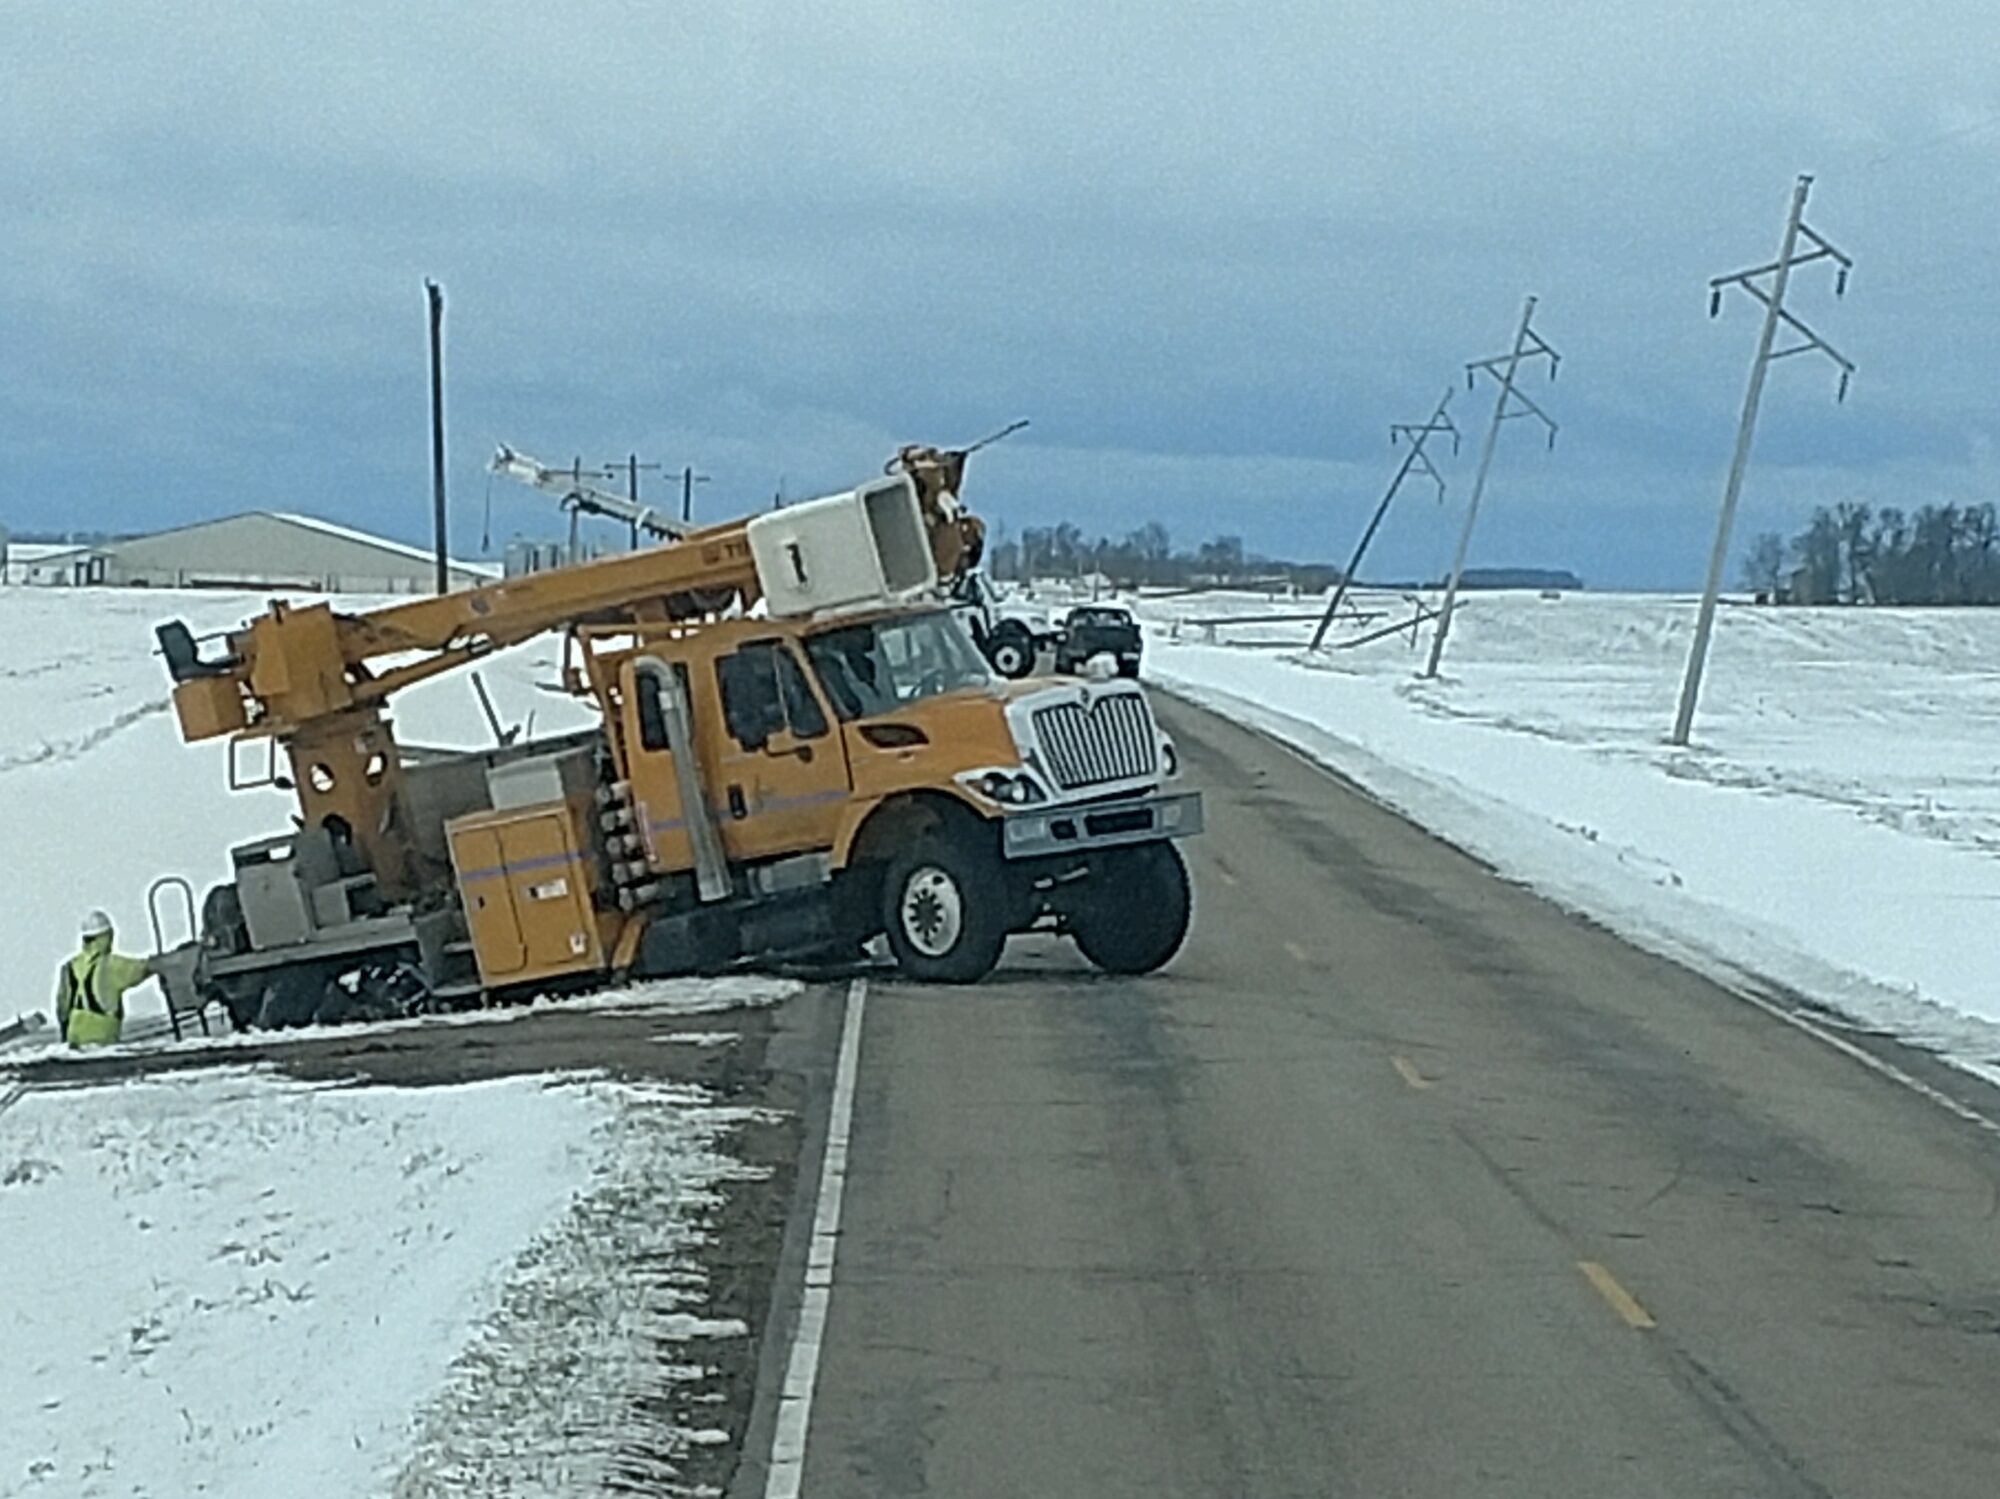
(1212, 250)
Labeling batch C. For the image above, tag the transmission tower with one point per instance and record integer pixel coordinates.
(1780, 272)
(1510, 403)
(1418, 433)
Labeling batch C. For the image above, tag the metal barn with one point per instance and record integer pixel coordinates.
(261, 549)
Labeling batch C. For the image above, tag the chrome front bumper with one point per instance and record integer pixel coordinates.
(1061, 830)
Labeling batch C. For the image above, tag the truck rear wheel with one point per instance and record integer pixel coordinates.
(1135, 915)
(1011, 649)
(943, 910)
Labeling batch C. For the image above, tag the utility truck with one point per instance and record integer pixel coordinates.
(799, 750)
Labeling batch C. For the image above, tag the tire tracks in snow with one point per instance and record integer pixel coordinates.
(64, 751)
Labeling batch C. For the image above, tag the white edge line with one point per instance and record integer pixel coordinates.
(788, 1439)
(1956, 1108)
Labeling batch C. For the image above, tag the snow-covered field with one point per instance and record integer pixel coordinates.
(99, 796)
(1834, 828)
(226, 1283)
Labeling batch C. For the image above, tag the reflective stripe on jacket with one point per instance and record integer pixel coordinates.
(90, 992)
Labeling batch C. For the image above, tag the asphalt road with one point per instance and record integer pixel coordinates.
(1397, 1182)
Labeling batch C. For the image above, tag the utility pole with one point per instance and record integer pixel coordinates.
(1780, 272)
(632, 467)
(689, 478)
(1510, 403)
(1418, 434)
(434, 294)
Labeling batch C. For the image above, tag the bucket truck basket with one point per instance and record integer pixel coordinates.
(867, 546)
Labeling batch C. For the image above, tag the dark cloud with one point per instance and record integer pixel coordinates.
(1213, 252)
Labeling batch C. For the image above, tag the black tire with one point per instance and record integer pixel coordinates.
(241, 1003)
(1011, 649)
(1128, 668)
(291, 997)
(1136, 913)
(944, 910)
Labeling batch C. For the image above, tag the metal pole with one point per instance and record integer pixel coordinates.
(1752, 398)
(435, 294)
(1478, 489)
(687, 495)
(1418, 437)
(632, 493)
(1347, 576)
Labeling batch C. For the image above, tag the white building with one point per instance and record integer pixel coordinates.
(262, 549)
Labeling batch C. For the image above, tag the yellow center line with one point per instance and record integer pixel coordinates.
(1298, 953)
(1621, 1300)
(1408, 1072)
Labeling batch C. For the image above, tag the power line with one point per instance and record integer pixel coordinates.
(1775, 315)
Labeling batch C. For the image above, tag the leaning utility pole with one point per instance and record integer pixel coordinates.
(1418, 434)
(1528, 344)
(435, 295)
(1780, 270)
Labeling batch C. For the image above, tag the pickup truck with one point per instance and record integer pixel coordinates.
(1094, 630)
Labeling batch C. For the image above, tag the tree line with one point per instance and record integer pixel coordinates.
(1856, 554)
(1146, 557)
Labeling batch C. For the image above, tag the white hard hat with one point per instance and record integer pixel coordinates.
(94, 924)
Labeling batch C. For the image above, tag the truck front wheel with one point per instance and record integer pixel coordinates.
(944, 910)
(1135, 914)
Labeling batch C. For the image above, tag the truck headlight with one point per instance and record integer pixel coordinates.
(1009, 788)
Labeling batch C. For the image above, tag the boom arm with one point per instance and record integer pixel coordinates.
(316, 679)
(580, 496)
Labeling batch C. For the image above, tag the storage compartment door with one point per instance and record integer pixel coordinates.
(550, 901)
(489, 903)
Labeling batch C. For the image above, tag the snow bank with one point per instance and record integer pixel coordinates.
(231, 1284)
(1832, 828)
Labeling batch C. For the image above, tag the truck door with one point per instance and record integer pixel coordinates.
(675, 815)
(781, 781)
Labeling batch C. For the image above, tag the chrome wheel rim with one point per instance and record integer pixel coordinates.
(933, 911)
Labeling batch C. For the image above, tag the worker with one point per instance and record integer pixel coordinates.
(90, 989)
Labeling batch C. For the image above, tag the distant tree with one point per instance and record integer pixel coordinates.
(1816, 550)
(1899, 571)
(1221, 557)
(1854, 519)
(1764, 564)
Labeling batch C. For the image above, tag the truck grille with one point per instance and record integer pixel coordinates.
(1109, 740)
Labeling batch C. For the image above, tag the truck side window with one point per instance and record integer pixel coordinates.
(748, 679)
(802, 709)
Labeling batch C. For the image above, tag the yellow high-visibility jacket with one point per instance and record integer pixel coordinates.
(90, 992)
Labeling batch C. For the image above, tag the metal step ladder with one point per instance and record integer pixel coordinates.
(175, 966)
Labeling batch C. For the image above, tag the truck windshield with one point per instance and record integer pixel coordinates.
(885, 663)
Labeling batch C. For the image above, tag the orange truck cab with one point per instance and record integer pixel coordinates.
(831, 780)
